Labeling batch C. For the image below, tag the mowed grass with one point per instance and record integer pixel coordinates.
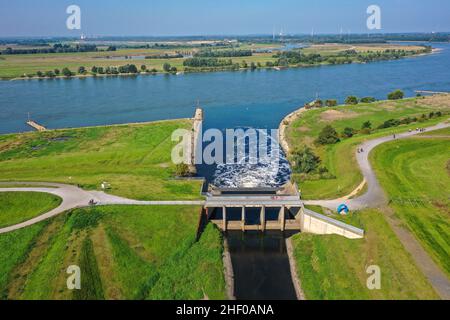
(415, 173)
(14, 247)
(134, 159)
(340, 158)
(334, 268)
(17, 207)
(124, 252)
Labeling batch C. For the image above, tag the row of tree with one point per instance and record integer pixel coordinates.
(56, 48)
(223, 53)
(345, 57)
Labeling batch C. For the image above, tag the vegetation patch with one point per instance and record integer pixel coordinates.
(17, 207)
(128, 157)
(368, 121)
(413, 173)
(334, 268)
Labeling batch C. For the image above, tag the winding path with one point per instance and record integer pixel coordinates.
(74, 197)
(375, 196)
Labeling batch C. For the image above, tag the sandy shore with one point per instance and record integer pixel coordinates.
(285, 123)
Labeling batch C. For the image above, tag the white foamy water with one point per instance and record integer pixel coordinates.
(251, 172)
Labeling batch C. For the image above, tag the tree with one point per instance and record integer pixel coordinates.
(57, 72)
(94, 69)
(368, 100)
(132, 68)
(39, 74)
(351, 100)
(328, 135)
(348, 132)
(49, 74)
(305, 161)
(144, 67)
(366, 125)
(167, 67)
(331, 102)
(66, 72)
(81, 70)
(396, 95)
(252, 66)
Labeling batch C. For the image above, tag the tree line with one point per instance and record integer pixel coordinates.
(223, 53)
(56, 48)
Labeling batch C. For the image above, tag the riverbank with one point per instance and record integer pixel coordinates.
(258, 61)
(133, 159)
(302, 128)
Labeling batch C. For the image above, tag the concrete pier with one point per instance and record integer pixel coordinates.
(36, 126)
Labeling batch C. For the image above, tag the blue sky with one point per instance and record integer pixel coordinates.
(213, 17)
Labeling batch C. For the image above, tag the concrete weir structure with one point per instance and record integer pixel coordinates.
(248, 209)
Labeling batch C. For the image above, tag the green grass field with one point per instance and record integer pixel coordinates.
(415, 174)
(14, 66)
(124, 252)
(134, 159)
(340, 158)
(16, 207)
(334, 268)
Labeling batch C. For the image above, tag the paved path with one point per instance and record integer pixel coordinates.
(74, 197)
(374, 197)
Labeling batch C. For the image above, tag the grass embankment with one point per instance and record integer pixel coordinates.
(134, 159)
(415, 174)
(124, 252)
(17, 207)
(340, 158)
(334, 268)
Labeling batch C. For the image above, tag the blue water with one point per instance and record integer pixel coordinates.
(231, 99)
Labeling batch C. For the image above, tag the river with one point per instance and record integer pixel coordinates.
(256, 99)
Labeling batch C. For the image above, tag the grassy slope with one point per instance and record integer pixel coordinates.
(134, 159)
(415, 175)
(14, 248)
(16, 207)
(124, 252)
(332, 267)
(340, 158)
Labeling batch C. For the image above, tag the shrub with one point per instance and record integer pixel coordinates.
(328, 135)
(366, 125)
(396, 95)
(305, 161)
(331, 103)
(81, 70)
(167, 67)
(368, 100)
(352, 100)
(348, 132)
(66, 72)
(389, 123)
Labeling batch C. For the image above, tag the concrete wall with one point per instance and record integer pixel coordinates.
(196, 143)
(313, 222)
